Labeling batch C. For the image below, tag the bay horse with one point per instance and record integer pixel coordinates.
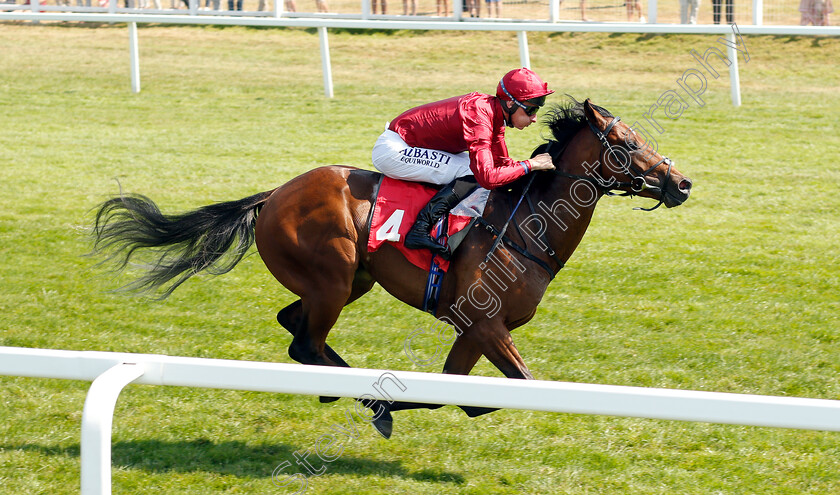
(312, 234)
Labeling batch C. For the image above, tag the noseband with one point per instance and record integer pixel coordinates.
(637, 181)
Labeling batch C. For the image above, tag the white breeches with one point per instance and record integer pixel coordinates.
(396, 159)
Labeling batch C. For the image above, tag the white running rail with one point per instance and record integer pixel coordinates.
(110, 372)
(348, 22)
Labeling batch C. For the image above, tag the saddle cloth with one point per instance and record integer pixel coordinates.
(397, 204)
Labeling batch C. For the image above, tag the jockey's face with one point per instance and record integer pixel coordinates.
(520, 119)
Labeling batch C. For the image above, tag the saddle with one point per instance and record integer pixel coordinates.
(396, 207)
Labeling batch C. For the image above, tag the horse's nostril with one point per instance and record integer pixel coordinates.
(685, 185)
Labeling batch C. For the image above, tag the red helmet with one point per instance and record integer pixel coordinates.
(522, 85)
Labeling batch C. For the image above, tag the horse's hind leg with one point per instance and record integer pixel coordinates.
(306, 322)
(293, 318)
(320, 314)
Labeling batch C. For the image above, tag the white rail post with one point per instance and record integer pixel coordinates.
(134, 57)
(524, 54)
(326, 66)
(734, 78)
(652, 8)
(458, 9)
(554, 10)
(34, 4)
(758, 12)
(97, 418)
(365, 9)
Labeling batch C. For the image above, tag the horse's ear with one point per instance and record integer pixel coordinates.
(593, 115)
(588, 111)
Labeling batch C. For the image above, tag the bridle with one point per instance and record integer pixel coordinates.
(636, 185)
(637, 181)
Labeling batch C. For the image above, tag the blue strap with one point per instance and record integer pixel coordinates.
(431, 297)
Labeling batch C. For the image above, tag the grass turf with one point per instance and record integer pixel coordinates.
(735, 291)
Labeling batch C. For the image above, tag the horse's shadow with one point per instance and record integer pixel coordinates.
(236, 458)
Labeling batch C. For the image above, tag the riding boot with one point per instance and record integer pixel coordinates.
(450, 195)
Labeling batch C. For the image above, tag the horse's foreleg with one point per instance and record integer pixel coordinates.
(492, 339)
(495, 342)
(461, 359)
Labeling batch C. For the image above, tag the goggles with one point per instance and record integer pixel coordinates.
(529, 110)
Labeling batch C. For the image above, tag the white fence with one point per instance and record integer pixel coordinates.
(111, 372)
(324, 21)
(757, 12)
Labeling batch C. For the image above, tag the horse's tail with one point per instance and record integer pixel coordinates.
(212, 238)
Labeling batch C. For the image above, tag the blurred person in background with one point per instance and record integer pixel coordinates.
(815, 12)
(494, 4)
(474, 7)
(730, 11)
(634, 5)
(442, 8)
(688, 11)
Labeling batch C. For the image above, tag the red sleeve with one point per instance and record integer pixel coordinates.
(489, 160)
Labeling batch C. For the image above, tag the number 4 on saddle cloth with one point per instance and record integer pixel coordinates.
(397, 204)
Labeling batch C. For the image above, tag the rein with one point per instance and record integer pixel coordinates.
(501, 234)
(501, 237)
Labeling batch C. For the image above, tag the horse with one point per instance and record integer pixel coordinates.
(312, 234)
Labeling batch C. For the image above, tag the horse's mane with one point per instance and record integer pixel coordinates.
(564, 120)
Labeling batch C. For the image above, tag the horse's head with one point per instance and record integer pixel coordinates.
(613, 155)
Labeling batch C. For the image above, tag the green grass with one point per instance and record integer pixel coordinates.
(736, 291)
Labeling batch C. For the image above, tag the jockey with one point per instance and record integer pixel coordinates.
(459, 142)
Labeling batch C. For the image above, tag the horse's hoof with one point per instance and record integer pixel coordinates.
(325, 400)
(383, 426)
